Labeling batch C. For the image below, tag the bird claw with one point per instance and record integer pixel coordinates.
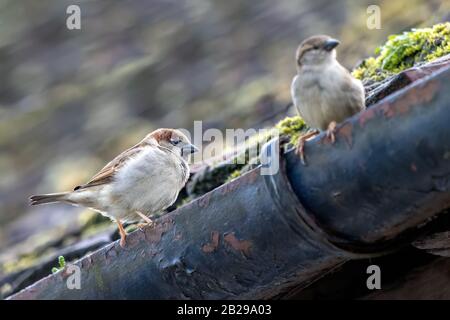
(300, 150)
(148, 221)
(123, 234)
(331, 132)
(123, 242)
(142, 225)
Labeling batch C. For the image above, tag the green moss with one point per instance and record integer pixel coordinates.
(235, 174)
(293, 127)
(5, 290)
(24, 262)
(62, 264)
(131, 227)
(404, 51)
(183, 201)
(246, 159)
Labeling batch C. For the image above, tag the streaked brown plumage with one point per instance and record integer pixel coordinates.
(141, 181)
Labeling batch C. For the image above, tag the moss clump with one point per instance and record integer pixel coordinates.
(62, 264)
(246, 159)
(404, 51)
(293, 127)
(234, 175)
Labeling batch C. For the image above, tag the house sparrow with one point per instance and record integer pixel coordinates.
(141, 181)
(323, 91)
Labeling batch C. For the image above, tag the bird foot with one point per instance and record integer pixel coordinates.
(331, 131)
(142, 225)
(123, 241)
(300, 150)
(123, 234)
(148, 221)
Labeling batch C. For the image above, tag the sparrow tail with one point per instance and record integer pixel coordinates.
(49, 198)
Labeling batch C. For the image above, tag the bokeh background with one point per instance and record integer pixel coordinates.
(70, 100)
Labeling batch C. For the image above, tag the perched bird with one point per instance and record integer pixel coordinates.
(323, 91)
(141, 181)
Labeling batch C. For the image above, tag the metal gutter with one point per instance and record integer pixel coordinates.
(386, 176)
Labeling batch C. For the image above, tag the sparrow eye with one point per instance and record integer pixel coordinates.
(174, 142)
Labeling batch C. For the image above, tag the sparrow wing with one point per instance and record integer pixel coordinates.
(355, 92)
(293, 91)
(295, 94)
(106, 174)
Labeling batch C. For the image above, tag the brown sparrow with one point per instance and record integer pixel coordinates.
(141, 181)
(323, 91)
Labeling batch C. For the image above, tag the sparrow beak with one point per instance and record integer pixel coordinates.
(331, 44)
(188, 149)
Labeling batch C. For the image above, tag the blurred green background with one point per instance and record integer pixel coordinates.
(70, 100)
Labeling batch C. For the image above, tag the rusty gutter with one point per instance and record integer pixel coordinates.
(386, 176)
